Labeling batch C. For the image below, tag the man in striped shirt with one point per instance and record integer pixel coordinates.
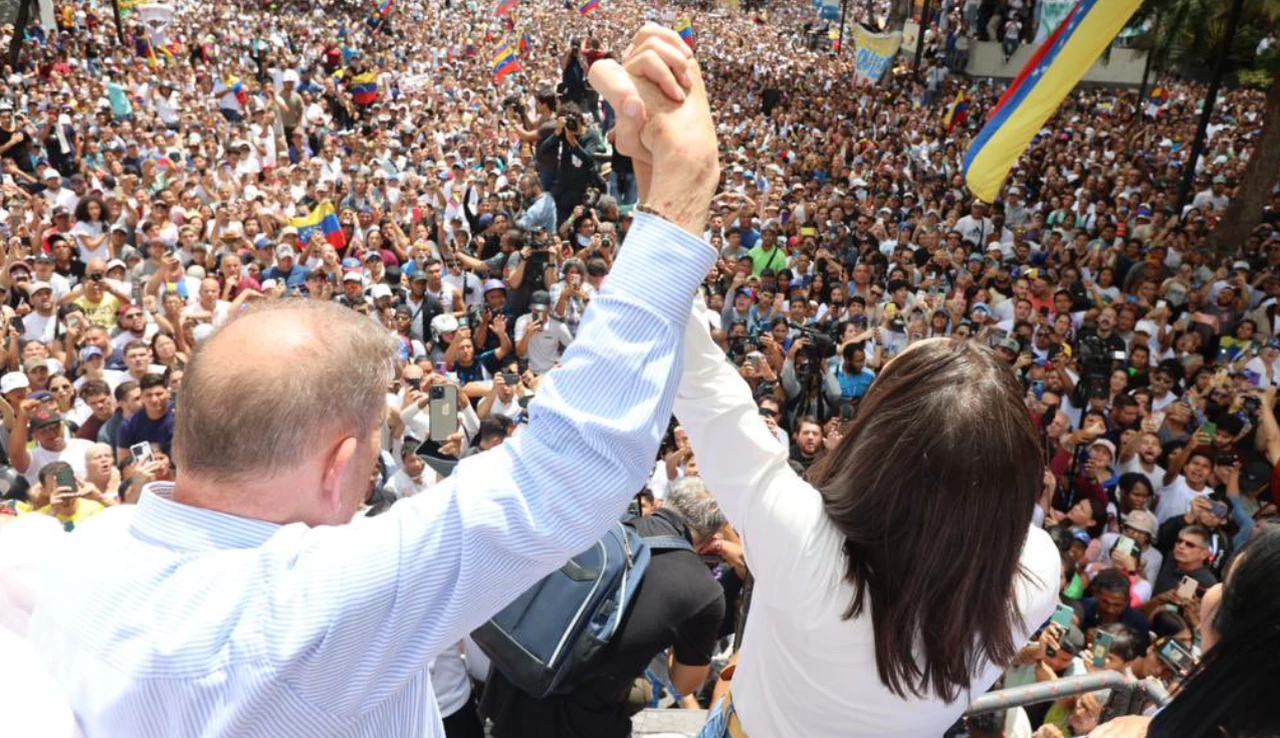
(238, 602)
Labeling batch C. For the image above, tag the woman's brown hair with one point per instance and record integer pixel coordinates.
(933, 489)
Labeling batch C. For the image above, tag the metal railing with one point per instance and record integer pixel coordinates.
(1004, 699)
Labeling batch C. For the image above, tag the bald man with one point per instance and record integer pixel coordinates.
(99, 297)
(243, 605)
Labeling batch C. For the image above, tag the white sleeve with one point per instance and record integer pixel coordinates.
(789, 541)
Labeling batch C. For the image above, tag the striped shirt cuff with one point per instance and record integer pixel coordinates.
(660, 265)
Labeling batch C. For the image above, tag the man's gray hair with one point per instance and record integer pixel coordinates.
(249, 414)
(690, 498)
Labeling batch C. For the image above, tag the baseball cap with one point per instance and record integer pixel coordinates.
(1108, 445)
(1009, 344)
(285, 250)
(43, 419)
(1143, 521)
(35, 287)
(540, 300)
(32, 364)
(288, 231)
(494, 284)
(1255, 475)
(443, 324)
(352, 277)
(380, 290)
(89, 353)
(13, 381)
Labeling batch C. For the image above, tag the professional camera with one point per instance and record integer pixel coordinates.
(573, 122)
(822, 345)
(1095, 370)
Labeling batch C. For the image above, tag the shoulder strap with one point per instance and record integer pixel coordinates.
(661, 543)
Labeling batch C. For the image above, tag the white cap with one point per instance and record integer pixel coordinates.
(35, 287)
(13, 381)
(291, 76)
(380, 290)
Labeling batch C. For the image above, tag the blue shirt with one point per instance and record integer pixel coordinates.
(211, 625)
(141, 428)
(854, 385)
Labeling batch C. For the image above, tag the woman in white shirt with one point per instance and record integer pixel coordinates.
(90, 231)
(900, 578)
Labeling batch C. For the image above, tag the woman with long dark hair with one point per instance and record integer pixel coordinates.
(901, 576)
(1229, 693)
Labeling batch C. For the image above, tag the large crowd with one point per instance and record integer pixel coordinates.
(155, 189)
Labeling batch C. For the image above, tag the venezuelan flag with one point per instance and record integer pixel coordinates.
(505, 61)
(685, 28)
(957, 112)
(1039, 88)
(323, 219)
(526, 44)
(384, 7)
(1159, 95)
(364, 88)
(588, 6)
(506, 6)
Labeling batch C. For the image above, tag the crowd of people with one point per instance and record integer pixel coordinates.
(370, 155)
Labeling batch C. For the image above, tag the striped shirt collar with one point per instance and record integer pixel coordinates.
(182, 527)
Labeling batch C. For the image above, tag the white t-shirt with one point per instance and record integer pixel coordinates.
(403, 485)
(37, 327)
(545, 348)
(449, 680)
(1155, 476)
(74, 454)
(1176, 498)
(91, 230)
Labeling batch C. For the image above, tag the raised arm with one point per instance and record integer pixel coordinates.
(777, 513)
(506, 518)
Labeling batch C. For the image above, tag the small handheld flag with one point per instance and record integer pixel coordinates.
(685, 29)
(324, 220)
(506, 6)
(1051, 72)
(526, 44)
(384, 7)
(505, 61)
(588, 6)
(1159, 95)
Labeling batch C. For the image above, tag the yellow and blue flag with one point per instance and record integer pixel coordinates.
(526, 44)
(505, 61)
(1039, 89)
(588, 6)
(324, 220)
(685, 29)
(957, 112)
(364, 88)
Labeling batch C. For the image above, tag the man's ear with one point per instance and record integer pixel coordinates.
(337, 465)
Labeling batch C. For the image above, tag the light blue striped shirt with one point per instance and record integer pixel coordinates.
(169, 621)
